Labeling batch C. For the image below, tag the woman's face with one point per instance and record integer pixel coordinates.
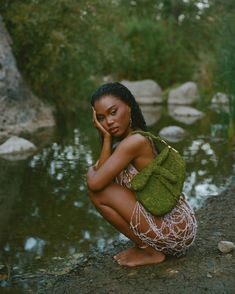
(114, 115)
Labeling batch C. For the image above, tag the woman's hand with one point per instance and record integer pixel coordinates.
(98, 125)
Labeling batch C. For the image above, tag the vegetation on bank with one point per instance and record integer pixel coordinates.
(225, 56)
(65, 47)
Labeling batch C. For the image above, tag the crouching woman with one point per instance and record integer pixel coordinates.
(116, 115)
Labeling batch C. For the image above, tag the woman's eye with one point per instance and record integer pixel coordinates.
(100, 118)
(113, 112)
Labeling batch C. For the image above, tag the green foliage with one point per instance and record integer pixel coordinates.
(225, 55)
(65, 47)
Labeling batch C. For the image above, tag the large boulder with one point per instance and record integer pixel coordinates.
(185, 114)
(20, 110)
(16, 148)
(187, 111)
(145, 91)
(173, 133)
(16, 145)
(185, 94)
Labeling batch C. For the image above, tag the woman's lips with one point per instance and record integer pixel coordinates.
(113, 130)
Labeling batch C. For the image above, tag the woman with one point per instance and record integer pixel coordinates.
(116, 114)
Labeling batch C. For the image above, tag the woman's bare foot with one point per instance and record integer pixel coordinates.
(136, 256)
(124, 253)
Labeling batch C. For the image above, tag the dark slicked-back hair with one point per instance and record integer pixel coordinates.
(123, 93)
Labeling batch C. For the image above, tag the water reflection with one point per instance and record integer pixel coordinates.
(152, 113)
(201, 182)
(45, 212)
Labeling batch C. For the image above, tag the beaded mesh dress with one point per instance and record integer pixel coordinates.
(173, 233)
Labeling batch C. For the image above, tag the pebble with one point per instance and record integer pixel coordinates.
(78, 255)
(131, 274)
(173, 272)
(226, 246)
(57, 258)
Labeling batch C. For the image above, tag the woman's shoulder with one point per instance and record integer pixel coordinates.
(135, 140)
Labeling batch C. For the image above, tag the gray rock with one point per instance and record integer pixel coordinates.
(16, 145)
(145, 91)
(220, 98)
(185, 94)
(20, 110)
(226, 246)
(185, 114)
(173, 133)
(187, 111)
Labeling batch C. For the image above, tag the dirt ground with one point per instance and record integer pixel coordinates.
(203, 270)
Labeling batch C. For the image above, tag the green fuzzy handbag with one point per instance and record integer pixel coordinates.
(159, 185)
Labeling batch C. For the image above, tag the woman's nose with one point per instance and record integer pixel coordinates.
(109, 120)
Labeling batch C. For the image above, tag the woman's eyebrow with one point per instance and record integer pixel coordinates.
(114, 105)
(110, 107)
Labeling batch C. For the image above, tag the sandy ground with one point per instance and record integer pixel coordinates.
(203, 270)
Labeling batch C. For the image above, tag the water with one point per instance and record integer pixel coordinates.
(45, 211)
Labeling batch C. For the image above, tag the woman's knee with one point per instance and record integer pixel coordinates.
(107, 195)
(94, 197)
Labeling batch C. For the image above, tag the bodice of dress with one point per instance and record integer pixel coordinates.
(126, 175)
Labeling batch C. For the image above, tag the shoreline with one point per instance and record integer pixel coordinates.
(204, 269)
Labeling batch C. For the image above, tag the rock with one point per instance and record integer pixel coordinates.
(173, 133)
(187, 111)
(185, 94)
(220, 102)
(20, 109)
(185, 114)
(145, 91)
(226, 246)
(57, 258)
(220, 98)
(16, 145)
(107, 79)
(151, 113)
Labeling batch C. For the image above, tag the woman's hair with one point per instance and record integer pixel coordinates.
(123, 93)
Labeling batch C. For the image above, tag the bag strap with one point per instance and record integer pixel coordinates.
(158, 140)
(146, 134)
(161, 144)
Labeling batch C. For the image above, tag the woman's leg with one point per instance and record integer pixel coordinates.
(116, 204)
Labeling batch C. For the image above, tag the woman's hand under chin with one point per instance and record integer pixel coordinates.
(99, 127)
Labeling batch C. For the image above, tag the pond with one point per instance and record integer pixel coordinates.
(45, 211)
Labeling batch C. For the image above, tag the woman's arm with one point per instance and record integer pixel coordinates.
(107, 141)
(129, 149)
(105, 152)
